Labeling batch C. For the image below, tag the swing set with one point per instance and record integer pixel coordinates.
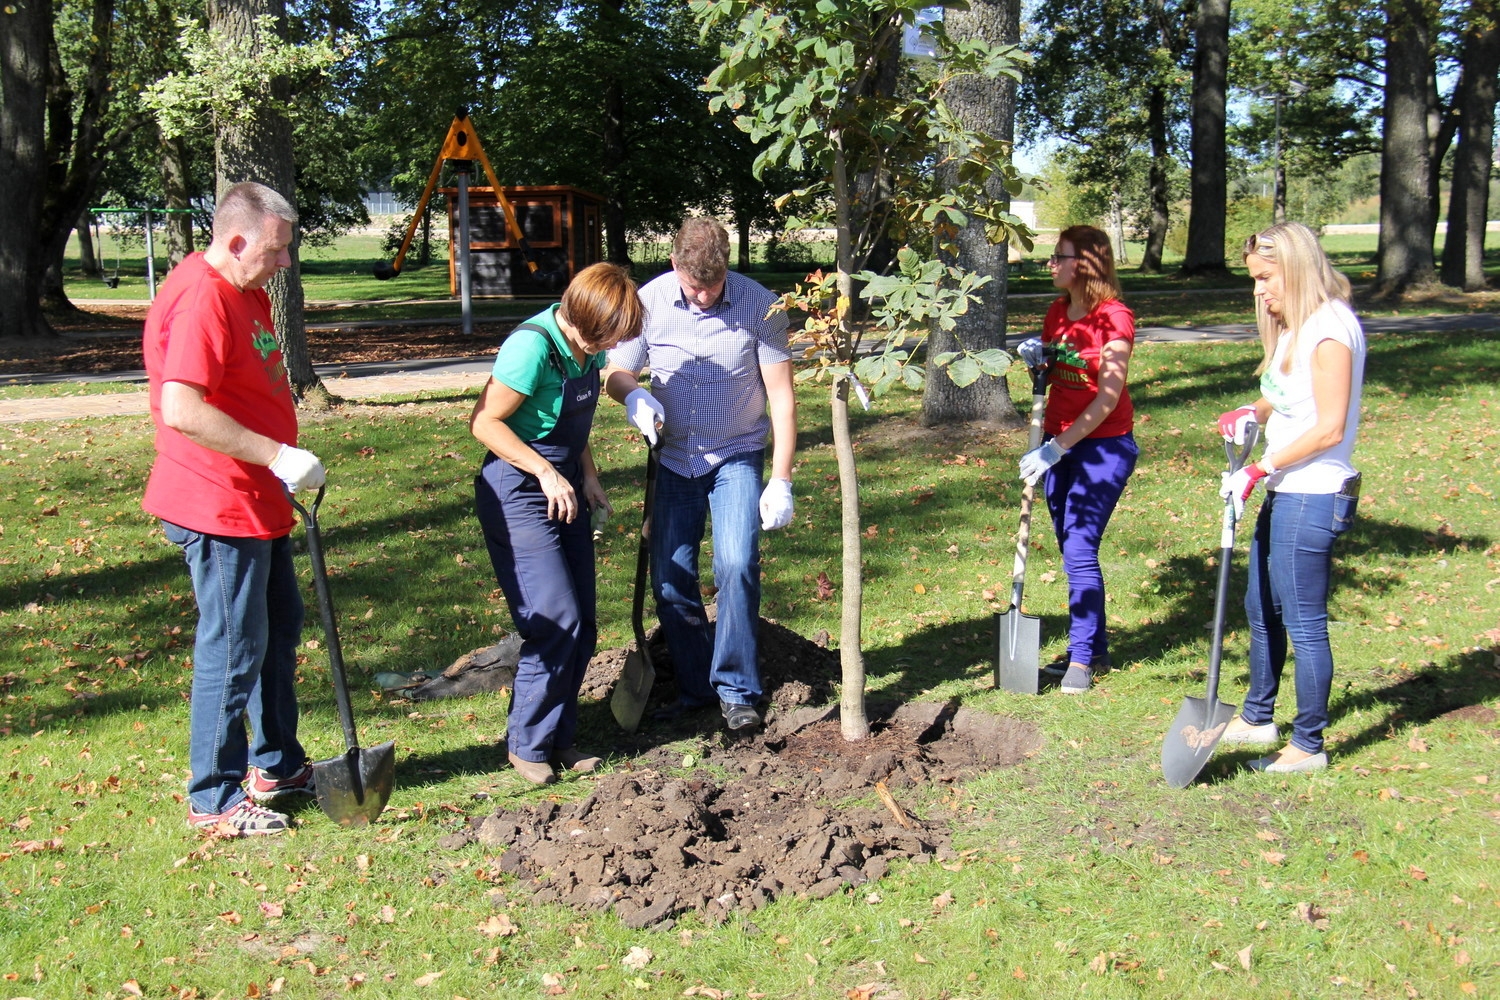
(147, 216)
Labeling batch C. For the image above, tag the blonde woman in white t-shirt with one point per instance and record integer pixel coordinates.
(1310, 382)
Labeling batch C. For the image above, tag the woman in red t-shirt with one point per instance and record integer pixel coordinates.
(1090, 452)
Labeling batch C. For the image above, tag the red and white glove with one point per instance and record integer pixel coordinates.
(1239, 485)
(1232, 424)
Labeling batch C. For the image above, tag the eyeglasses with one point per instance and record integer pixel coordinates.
(1058, 258)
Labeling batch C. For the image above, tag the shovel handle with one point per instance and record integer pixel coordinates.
(1028, 494)
(330, 623)
(1237, 459)
(643, 555)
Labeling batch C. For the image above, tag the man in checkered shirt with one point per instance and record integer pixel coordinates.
(719, 360)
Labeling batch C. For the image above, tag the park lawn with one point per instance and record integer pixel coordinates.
(1080, 871)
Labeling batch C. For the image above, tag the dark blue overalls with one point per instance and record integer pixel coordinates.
(546, 571)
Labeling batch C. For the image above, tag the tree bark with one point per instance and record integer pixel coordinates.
(1160, 218)
(1208, 183)
(88, 263)
(613, 157)
(1468, 205)
(986, 106)
(24, 38)
(260, 149)
(1408, 216)
(173, 162)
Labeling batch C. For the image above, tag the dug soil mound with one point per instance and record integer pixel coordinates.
(792, 809)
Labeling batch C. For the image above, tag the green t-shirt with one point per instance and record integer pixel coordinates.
(523, 363)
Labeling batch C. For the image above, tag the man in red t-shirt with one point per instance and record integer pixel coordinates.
(226, 454)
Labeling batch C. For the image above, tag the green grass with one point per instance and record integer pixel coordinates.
(1082, 871)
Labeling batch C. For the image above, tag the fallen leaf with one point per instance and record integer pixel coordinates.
(825, 588)
(1417, 874)
(1468, 988)
(431, 978)
(638, 958)
(1099, 965)
(498, 925)
(271, 910)
(231, 917)
(919, 588)
(1363, 857)
(1417, 744)
(1267, 835)
(1312, 915)
(1481, 779)
(705, 991)
(1461, 957)
(1273, 857)
(132, 987)
(941, 902)
(1244, 956)
(916, 956)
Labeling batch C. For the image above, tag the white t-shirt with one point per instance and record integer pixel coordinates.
(1294, 411)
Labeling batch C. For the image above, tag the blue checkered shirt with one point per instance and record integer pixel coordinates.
(705, 368)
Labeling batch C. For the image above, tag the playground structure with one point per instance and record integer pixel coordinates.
(148, 216)
(565, 222)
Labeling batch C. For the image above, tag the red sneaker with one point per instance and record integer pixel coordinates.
(263, 788)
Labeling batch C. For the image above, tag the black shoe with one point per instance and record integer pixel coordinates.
(676, 712)
(739, 716)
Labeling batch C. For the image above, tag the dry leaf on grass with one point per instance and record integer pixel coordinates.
(1244, 956)
(428, 979)
(941, 902)
(1273, 857)
(498, 925)
(1312, 915)
(638, 958)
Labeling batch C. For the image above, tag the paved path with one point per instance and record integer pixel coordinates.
(376, 379)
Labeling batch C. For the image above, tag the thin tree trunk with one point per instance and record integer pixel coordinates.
(88, 264)
(617, 246)
(742, 227)
(1468, 206)
(173, 163)
(1156, 232)
(260, 149)
(986, 106)
(854, 724)
(1208, 173)
(1117, 224)
(1407, 213)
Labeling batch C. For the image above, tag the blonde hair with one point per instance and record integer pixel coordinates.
(1308, 282)
(602, 305)
(1094, 269)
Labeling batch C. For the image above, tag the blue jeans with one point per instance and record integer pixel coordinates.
(1082, 490)
(244, 663)
(1290, 558)
(723, 665)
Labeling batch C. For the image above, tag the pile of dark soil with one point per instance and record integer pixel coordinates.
(801, 812)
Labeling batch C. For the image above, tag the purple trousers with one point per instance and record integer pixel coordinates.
(1082, 490)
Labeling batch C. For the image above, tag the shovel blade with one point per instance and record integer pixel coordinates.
(353, 788)
(1018, 660)
(1191, 740)
(628, 702)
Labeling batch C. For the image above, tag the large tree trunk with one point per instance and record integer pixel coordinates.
(1160, 219)
(25, 31)
(1408, 215)
(617, 245)
(986, 106)
(259, 149)
(1468, 206)
(173, 162)
(1208, 184)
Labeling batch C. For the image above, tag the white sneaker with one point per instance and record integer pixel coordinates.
(1240, 731)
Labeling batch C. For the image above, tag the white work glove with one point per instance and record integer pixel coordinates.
(1239, 485)
(298, 469)
(1232, 423)
(776, 505)
(1032, 353)
(1035, 463)
(643, 410)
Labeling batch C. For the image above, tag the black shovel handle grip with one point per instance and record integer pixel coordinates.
(330, 622)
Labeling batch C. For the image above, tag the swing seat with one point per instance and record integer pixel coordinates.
(113, 281)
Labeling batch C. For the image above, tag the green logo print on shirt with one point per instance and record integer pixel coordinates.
(264, 341)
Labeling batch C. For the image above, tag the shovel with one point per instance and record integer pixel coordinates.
(1201, 721)
(628, 703)
(352, 788)
(1018, 663)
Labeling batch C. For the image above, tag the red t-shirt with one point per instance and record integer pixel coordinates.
(203, 330)
(1073, 378)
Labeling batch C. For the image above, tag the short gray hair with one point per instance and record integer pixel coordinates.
(246, 205)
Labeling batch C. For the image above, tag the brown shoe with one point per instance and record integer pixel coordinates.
(573, 759)
(534, 771)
